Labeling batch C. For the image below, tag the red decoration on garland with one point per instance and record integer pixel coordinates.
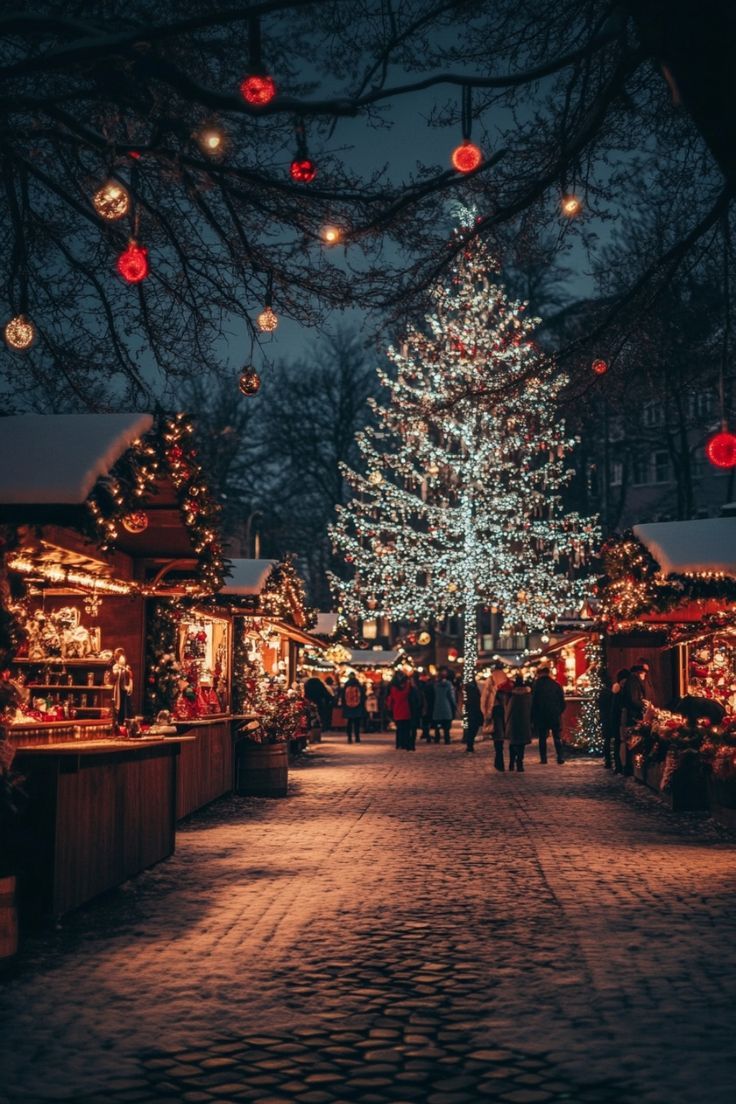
(599, 367)
(133, 263)
(466, 157)
(721, 450)
(303, 170)
(258, 90)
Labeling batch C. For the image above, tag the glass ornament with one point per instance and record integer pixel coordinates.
(136, 522)
(257, 89)
(111, 201)
(267, 320)
(19, 333)
(599, 367)
(466, 157)
(249, 382)
(721, 450)
(303, 170)
(132, 264)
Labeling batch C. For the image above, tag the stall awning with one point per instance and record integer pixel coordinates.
(56, 459)
(691, 547)
(366, 658)
(247, 576)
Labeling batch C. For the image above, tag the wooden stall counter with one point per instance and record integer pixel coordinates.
(99, 811)
(206, 764)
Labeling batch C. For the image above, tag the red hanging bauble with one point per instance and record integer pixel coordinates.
(133, 263)
(258, 89)
(721, 450)
(599, 367)
(303, 170)
(466, 157)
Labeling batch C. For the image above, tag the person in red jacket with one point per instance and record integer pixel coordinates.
(399, 702)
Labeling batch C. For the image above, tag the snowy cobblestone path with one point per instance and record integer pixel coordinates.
(402, 928)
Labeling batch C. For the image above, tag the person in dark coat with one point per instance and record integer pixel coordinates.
(473, 714)
(617, 716)
(605, 711)
(548, 705)
(498, 719)
(634, 695)
(399, 701)
(415, 704)
(519, 723)
(316, 692)
(352, 703)
(426, 688)
(649, 691)
(443, 709)
(694, 708)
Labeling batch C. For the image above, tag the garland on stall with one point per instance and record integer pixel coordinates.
(588, 733)
(632, 582)
(282, 714)
(284, 596)
(167, 450)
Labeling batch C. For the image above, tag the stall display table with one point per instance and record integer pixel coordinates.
(98, 813)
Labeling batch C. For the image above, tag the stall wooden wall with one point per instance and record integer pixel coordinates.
(205, 766)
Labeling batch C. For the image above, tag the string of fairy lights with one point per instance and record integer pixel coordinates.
(461, 501)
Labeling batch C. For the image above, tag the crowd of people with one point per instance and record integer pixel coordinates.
(506, 709)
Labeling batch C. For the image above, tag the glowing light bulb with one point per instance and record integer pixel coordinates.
(19, 333)
(258, 90)
(111, 201)
(571, 205)
(331, 235)
(466, 157)
(267, 320)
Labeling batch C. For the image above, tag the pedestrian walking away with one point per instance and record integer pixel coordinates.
(548, 705)
(473, 714)
(519, 723)
(443, 709)
(426, 687)
(399, 701)
(352, 702)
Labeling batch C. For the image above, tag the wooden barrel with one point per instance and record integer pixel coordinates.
(261, 770)
(8, 919)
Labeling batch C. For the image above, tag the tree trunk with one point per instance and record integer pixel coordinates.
(470, 650)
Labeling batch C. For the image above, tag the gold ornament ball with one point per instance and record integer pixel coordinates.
(19, 333)
(424, 638)
(111, 201)
(268, 320)
(136, 522)
(249, 381)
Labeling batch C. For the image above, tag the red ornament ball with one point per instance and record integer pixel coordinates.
(133, 263)
(721, 450)
(599, 367)
(466, 157)
(258, 90)
(303, 170)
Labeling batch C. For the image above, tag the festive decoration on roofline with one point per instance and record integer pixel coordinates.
(136, 522)
(111, 201)
(632, 583)
(284, 596)
(19, 333)
(132, 264)
(488, 527)
(167, 450)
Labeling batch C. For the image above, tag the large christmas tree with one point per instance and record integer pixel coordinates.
(460, 505)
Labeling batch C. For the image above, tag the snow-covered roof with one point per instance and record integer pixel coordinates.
(56, 459)
(247, 576)
(708, 544)
(326, 624)
(369, 658)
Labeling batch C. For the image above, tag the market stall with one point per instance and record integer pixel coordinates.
(670, 597)
(99, 515)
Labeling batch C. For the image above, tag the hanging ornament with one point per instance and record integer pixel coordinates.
(424, 638)
(721, 449)
(303, 170)
(212, 141)
(452, 654)
(111, 201)
(132, 264)
(571, 205)
(466, 157)
(599, 367)
(258, 89)
(375, 478)
(331, 235)
(19, 333)
(267, 320)
(136, 522)
(249, 382)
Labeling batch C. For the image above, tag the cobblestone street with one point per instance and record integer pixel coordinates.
(402, 928)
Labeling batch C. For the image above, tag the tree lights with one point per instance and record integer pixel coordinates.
(19, 333)
(249, 382)
(267, 320)
(488, 527)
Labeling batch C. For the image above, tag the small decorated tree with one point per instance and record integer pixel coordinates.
(460, 501)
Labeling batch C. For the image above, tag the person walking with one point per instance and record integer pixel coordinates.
(617, 717)
(415, 704)
(400, 703)
(352, 702)
(473, 714)
(317, 692)
(443, 709)
(519, 723)
(605, 709)
(548, 705)
(426, 688)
